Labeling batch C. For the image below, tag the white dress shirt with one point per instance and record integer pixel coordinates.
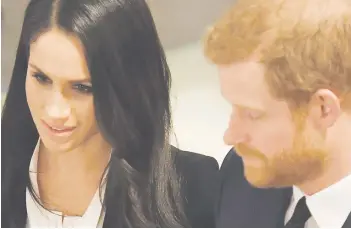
(329, 208)
(40, 217)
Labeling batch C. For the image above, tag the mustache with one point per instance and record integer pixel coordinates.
(247, 151)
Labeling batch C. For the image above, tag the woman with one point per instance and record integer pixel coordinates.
(85, 125)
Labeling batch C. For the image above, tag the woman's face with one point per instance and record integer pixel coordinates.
(59, 92)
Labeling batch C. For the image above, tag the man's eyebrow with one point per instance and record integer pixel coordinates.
(250, 106)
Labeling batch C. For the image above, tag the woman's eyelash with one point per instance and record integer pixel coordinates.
(41, 78)
(83, 88)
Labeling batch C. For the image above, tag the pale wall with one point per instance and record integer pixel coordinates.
(200, 114)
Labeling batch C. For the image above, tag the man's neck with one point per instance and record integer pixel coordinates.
(337, 169)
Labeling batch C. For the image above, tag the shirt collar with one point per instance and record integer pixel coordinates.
(93, 215)
(331, 206)
(33, 166)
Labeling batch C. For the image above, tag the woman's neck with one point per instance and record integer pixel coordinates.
(92, 155)
(63, 175)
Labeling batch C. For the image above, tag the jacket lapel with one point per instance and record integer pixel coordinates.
(347, 223)
(250, 207)
(242, 205)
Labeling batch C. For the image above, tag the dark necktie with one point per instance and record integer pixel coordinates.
(300, 216)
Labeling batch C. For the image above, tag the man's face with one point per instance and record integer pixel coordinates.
(279, 148)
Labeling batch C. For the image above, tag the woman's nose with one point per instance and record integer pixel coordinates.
(58, 108)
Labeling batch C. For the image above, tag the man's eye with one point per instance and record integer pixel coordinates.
(41, 78)
(255, 115)
(82, 88)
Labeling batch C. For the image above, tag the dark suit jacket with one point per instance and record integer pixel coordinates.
(199, 175)
(241, 205)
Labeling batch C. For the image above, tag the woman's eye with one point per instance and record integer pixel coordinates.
(41, 78)
(83, 88)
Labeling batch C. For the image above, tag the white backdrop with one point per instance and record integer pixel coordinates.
(200, 114)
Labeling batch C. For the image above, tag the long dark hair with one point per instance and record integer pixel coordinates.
(131, 84)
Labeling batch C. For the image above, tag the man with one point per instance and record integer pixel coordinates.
(285, 68)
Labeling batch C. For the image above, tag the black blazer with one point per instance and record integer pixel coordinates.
(199, 175)
(241, 205)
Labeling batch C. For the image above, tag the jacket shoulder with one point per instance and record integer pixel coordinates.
(199, 179)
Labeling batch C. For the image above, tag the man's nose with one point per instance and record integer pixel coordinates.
(235, 133)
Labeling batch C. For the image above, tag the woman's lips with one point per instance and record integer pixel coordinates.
(58, 130)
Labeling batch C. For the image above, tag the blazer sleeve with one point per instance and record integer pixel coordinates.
(199, 178)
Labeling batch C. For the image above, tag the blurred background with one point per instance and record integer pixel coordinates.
(200, 115)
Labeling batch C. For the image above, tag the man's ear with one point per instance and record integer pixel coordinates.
(324, 109)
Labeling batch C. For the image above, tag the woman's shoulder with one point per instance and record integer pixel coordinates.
(199, 178)
(190, 160)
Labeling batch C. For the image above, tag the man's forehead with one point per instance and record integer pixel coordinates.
(244, 82)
